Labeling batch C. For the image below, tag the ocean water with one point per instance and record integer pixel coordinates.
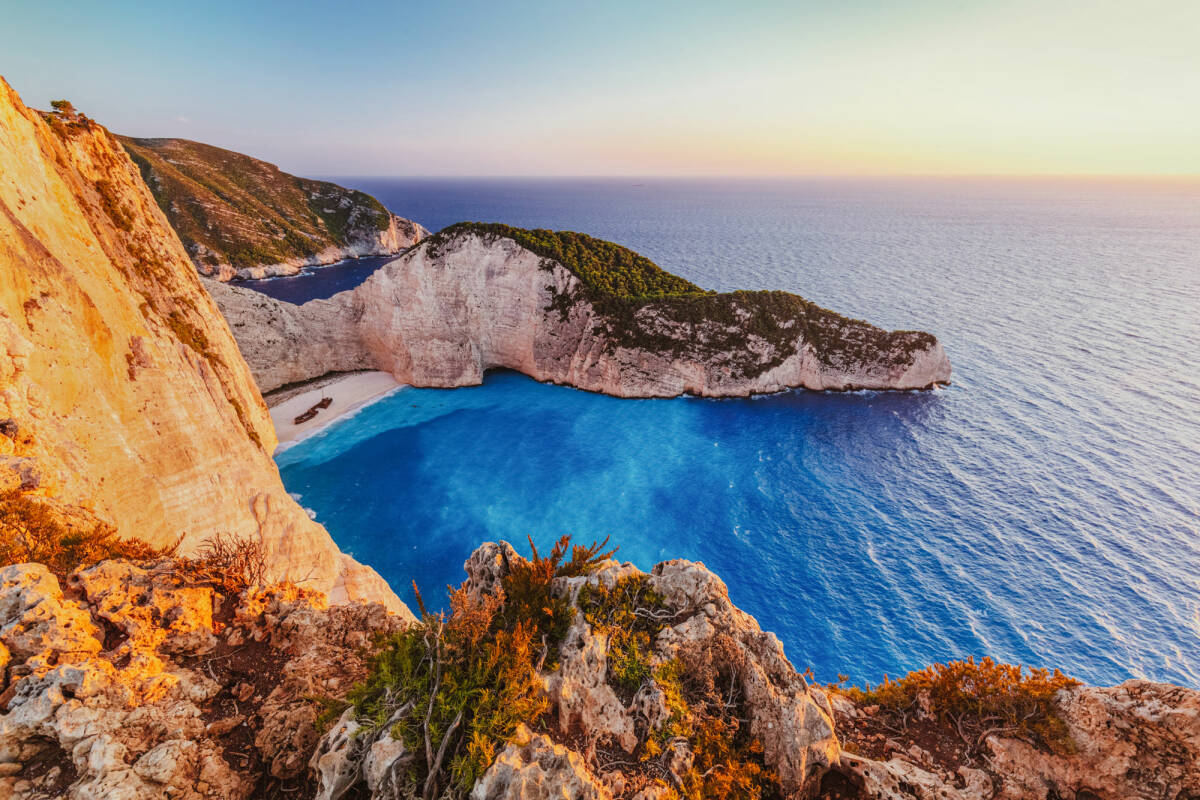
(1044, 509)
(318, 283)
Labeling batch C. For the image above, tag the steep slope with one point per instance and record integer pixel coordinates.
(241, 217)
(121, 388)
(573, 310)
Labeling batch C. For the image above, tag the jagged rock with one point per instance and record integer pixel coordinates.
(792, 719)
(898, 779)
(154, 708)
(539, 769)
(337, 759)
(580, 690)
(446, 311)
(37, 625)
(152, 613)
(1135, 740)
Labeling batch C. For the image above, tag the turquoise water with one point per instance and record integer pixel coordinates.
(1043, 509)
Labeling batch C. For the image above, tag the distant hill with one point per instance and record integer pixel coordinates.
(244, 218)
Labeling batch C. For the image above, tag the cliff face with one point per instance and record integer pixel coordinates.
(121, 388)
(241, 217)
(286, 343)
(469, 300)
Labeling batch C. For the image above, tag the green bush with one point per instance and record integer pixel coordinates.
(604, 266)
(456, 686)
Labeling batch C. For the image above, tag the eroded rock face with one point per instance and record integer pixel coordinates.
(539, 768)
(290, 343)
(443, 313)
(1136, 740)
(121, 388)
(588, 745)
(133, 683)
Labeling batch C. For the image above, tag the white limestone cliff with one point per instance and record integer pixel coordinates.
(450, 309)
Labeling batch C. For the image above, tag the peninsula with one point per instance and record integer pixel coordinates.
(569, 309)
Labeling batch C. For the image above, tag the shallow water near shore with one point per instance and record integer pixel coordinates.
(1045, 508)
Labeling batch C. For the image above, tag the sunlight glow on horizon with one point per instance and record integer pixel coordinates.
(761, 88)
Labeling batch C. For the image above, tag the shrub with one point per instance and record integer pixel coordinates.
(111, 203)
(529, 597)
(979, 697)
(456, 686)
(32, 531)
(229, 564)
(632, 613)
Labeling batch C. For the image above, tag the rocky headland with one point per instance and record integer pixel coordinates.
(239, 217)
(573, 310)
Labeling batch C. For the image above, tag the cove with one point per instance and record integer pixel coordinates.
(835, 519)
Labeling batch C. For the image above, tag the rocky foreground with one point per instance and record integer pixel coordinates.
(145, 681)
(478, 297)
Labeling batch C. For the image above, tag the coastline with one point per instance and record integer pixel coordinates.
(349, 393)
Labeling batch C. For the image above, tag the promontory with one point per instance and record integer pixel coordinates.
(570, 309)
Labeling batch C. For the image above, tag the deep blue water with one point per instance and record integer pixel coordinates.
(1043, 509)
(318, 283)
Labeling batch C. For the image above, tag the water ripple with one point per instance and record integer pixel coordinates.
(1043, 509)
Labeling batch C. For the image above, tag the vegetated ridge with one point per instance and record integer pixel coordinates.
(242, 217)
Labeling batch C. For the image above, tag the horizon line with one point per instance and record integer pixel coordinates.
(1172, 176)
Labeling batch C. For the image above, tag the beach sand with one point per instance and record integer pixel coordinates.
(349, 392)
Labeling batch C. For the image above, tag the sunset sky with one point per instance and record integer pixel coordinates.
(634, 88)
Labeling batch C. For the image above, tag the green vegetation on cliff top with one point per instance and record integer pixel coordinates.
(228, 207)
(604, 266)
(621, 284)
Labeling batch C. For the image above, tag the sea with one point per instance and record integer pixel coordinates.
(1043, 509)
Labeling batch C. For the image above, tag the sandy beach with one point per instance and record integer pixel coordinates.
(348, 392)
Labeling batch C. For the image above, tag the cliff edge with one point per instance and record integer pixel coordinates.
(569, 309)
(552, 677)
(122, 392)
(239, 217)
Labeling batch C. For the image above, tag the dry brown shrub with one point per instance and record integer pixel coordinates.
(33, 531)
(228, 563)
(979, 698)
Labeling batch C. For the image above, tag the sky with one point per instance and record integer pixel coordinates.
(854, 87)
